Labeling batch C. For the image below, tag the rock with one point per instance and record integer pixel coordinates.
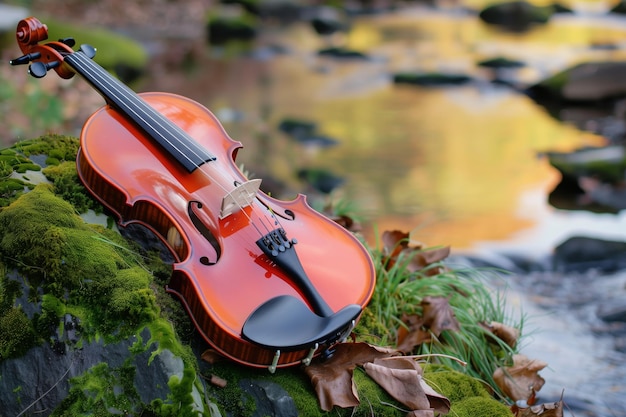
(591, 179)
(40, 380)
(586, 82)
(320, 180)
(606, 164)
(327, 21)
(500, 63)
(221, 30)
(83, 358)
(342, 53)
(297, 127)
(270, 398)
(516, 16)
(582, 253)
(613, 313)
(430, 79)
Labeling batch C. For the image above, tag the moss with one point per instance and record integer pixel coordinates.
(80, 268)
(53, 305)
(179, 401)
(370, 330)
(468, 396)
(16, 333)
(100, 391)
(60, 147)
(66, 185)
(454, 385)
(51, 243)
(52, 309)
(10, 189)
(480, 407)
(45, 237)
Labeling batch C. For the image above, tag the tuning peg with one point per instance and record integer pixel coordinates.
(88, 50)
(39, 69)
(25, 59)
(68, 41)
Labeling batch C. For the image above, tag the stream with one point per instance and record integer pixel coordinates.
(455, 165)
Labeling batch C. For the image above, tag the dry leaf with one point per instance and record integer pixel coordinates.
(401, 382)
(438, 402)
(421, 258)
(332, 378)
(438, 315)
(507, 334)
(421, 413)
(396, 243)
(211, 356)
(402, 378)
(414, 334)
(520, 381)
(543, 410)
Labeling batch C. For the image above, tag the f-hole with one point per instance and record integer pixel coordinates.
(205, 232)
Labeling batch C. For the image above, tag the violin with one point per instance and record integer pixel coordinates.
(267, 283)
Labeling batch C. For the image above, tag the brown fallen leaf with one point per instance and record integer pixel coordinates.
(421, 413)
(401, 380)
(347, 222)
(438, 315)
(521, 380)
(543, 410)
(422, 258)
(507, 334)
(332, 378)
(211, 356)
(396, 243)
(414, 334)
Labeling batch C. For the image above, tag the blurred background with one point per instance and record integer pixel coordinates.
(490, 127)
(454, 151)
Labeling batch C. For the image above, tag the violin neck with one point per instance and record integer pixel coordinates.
(174, 140)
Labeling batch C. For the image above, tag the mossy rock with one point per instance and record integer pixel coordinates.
(115, 290)
(431, 79)
(120, 54)
(222, 30)
(66, 271)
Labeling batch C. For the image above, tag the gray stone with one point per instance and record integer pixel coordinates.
(580, 253)
(270, 398)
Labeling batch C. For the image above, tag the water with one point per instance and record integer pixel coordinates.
(452, 164)
(456, 165)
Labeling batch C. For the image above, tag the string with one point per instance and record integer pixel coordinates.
(129, 98)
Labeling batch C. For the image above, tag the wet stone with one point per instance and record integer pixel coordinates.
(270, 398)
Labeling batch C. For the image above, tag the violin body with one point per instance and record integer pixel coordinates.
(129, 175)
(267, 283)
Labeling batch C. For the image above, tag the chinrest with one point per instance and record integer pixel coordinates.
(286, 323)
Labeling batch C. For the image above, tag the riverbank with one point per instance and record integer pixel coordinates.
(574, 318)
